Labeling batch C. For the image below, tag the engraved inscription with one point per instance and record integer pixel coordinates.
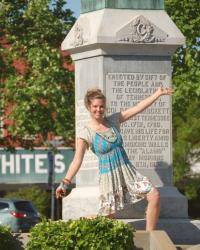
(147, 136)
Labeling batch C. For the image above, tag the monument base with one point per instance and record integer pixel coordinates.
(82, 201)
(173, 205)
(181, 231)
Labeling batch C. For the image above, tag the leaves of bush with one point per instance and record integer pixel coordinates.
(84, 234)
(6, 239)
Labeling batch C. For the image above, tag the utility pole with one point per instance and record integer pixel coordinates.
(51, 180)
(51, 171)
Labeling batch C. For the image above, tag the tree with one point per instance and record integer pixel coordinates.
(41, 93)
(186, 101)
(186, 62)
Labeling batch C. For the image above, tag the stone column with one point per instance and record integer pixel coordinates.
(125, 48)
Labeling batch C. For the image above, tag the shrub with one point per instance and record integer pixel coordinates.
(6, 239)
(83, 234)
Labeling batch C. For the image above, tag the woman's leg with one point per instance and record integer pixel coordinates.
(153, 209)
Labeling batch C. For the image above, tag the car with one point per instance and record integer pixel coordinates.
(20, 215)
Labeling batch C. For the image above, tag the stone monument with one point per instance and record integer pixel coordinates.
(124, 47)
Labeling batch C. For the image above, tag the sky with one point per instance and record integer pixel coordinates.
(75, 6)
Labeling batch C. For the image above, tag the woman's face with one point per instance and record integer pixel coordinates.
(97, 108)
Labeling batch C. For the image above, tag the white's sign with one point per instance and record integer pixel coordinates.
(31, 166)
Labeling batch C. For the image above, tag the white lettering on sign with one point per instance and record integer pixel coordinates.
(27, 158)
(18, 166)
(7, 164)
(39, 164)
(59, 164)
(28, 163)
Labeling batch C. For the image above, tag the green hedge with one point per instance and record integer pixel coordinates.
(6, 239)
(84, 234)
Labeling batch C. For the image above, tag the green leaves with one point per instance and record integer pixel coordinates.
(186, 149)
(83, 234)
(186, 100)
(33, 78)
(6, 238)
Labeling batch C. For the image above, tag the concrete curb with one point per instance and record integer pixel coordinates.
(155, 240)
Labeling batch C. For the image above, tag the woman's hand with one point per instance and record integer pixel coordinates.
(59, 192)
(130, 112)
(62, 190)
(165, 91)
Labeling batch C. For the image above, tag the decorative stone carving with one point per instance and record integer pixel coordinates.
(79, 36)
(141, 30)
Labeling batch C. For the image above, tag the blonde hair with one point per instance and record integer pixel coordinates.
(92, 94)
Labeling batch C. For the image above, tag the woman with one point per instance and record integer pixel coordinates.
(120, 183)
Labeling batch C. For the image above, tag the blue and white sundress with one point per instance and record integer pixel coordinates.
(119, 181)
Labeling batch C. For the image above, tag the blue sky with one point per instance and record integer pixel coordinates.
(75, 6)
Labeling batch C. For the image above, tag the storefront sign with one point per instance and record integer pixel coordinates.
(31, 166)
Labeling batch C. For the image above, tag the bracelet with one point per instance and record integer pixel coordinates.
(67, 180)
(64, 186)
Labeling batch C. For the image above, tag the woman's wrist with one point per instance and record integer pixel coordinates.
(157, 94)
(64, 186)
(67, 181)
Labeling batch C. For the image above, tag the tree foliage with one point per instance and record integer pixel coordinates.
(186, 62)
(186, 82)
(42, 91)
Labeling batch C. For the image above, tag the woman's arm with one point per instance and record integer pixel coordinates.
(130, 112)
(81, 147)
